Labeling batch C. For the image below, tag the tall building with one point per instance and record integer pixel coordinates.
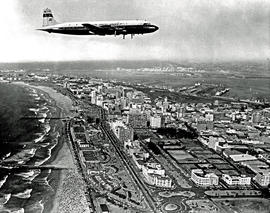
(156, 121)
(209, 117)
(99, 88)
(216, 103)
(93, 97)
(99, 100)
(256, 117)
(181, 112)
(213, 142)
(123, 133)
(124, 102)
(165, 104)
(137, 120)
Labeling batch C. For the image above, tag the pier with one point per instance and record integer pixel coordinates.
(46, 118)
(10, 166)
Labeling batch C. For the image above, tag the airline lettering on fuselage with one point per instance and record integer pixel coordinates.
(96, 28)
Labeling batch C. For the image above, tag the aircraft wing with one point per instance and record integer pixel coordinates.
(95, 29)
(105, 29)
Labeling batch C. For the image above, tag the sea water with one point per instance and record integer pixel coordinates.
(26, 138)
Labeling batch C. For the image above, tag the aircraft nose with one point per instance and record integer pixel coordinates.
(153, 28)
(45, 29)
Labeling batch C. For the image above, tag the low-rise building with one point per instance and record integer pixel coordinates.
(242, 157)
(202, 179)
(203, 124)
(155, 175)
(158, 180)
(263, 178)
(262, 171)
(214, 142)
(236, 180)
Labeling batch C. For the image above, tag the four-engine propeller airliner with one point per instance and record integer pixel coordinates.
(100, 28)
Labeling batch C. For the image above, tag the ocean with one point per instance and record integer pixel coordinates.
(25, 142)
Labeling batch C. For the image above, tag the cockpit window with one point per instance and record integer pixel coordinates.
(146, 24)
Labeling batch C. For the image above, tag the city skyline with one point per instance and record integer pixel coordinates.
(196, 30)
(136, 146)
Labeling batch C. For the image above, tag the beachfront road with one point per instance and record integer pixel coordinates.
(106, 130)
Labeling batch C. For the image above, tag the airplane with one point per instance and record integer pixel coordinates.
(100, 28)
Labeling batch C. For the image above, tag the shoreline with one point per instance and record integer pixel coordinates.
(61, 156)
(68, 185)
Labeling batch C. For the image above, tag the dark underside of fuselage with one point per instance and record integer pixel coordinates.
(105, 31)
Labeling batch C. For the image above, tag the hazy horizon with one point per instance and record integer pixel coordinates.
(266, 60)
(197, 31)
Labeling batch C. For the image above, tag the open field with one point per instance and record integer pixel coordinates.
(244, 205)
(179, 154)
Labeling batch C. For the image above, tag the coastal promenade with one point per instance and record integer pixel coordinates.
(81, 169)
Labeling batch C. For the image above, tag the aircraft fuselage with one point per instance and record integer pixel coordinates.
(102, 28)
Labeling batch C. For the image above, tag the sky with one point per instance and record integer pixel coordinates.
(195, 30)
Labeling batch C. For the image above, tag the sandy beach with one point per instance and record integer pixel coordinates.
(67, 182)
(69, 196)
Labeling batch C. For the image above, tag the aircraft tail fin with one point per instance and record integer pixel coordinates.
(48, 18)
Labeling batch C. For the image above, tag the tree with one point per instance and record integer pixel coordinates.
(90, 119)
